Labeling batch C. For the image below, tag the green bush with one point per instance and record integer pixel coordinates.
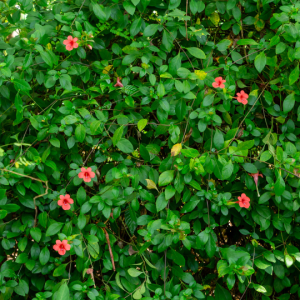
(149, 149)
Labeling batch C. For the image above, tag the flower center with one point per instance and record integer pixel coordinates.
(65, 202)
(86, 175)
(62, 247)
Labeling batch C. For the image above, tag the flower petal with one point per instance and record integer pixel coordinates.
(62, 251)
(66, 206)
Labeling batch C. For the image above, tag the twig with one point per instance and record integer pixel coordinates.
(78, 13)
(187, 5)
(109, 248)
(38, 196)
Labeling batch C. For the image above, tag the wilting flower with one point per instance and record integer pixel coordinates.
(86, 174)
(255, 177)
(244, 201)
(90, 47)
(219, 83)
(61, 247)
(119, 83)
(65, 202)
(242, 97)
(71, 43)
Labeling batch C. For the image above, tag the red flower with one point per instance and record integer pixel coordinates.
(61, 247)
(244, 201)
(65, 202)
(86, 174)
(119, 83)
(219, 83)
(255, 177)
(242, 97)
(71, 43)
(90, 47)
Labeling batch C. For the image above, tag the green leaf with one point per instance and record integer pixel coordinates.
(117, 135)
(188, 207)
(136, 26)
(125, 146)
(161, 90)
(150, 30)
(134, 272)
(62, 293)
(54, 228)
(218, 140)
(98, 11)
(178, 258)
(27, 61)
(81, 195)
(208, 100)
(250, 168)
(144, 153)
(22, 258)
(142, 124)
(44, 256)
(36, 234)
(81, 221)
(197, 52)
(59, 271)
(193, 153)
(55, 142)
(288, 103)
(80, 132)
(246, 42)
(245, 145)
(22, 85)
(288, 260)
(166, 177)
(161, 202)
(47, 58)
(265, 156)
(279, 186)
(18, 102)
(181, 109)
(169, 192)
(221, 293)
(210, 246)
(294, 75)
(260, 62)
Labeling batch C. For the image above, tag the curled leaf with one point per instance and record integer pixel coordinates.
(151, 185)
(176, 149)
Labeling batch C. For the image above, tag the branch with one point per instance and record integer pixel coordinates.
(109, 248)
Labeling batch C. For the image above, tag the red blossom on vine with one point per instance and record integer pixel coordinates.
(61, 247)
(219, 83)
(71, 43)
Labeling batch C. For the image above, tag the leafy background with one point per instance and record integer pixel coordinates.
(157, 221)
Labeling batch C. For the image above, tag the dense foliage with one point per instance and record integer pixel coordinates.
(149, 149)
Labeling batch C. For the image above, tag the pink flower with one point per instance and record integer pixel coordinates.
(244, 201)
(255, 177)
(86, 174)
(71, 43)
(242, 97)
(61, 247)
(219, 83)
(119, 83)
(65, 202)
(90, 47)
